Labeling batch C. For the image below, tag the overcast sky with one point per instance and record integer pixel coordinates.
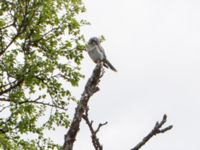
(155, 46)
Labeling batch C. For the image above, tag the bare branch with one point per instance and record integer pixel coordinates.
(156, 130)
(90, 88)
(95, 141)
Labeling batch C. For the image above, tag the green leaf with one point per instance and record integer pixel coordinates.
(41, 50)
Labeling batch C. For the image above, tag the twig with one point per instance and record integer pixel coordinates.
(90, 88)
(7, 26)
(12, 87)
(156, 130)
(3, 108)
(95, 140)
(35, 102)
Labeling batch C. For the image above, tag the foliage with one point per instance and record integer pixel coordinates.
(40, 52)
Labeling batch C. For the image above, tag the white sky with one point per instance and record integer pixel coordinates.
(155, 46)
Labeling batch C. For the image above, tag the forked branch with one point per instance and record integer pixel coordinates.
(95, 141)
(156, 130)
(90, 88)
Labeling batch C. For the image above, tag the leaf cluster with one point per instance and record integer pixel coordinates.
(41, 48)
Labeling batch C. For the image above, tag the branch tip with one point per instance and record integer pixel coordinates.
(156, 130)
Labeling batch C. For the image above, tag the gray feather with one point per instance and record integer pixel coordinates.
(109, 65)
(97, 53)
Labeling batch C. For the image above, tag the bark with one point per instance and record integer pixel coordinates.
(90, 88)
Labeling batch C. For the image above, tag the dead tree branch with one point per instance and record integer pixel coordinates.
(90, 88)
(95, 141)
(156, 130)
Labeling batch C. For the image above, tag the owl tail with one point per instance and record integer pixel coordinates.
(108, 64)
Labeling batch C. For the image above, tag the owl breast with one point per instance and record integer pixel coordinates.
(95, 54)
